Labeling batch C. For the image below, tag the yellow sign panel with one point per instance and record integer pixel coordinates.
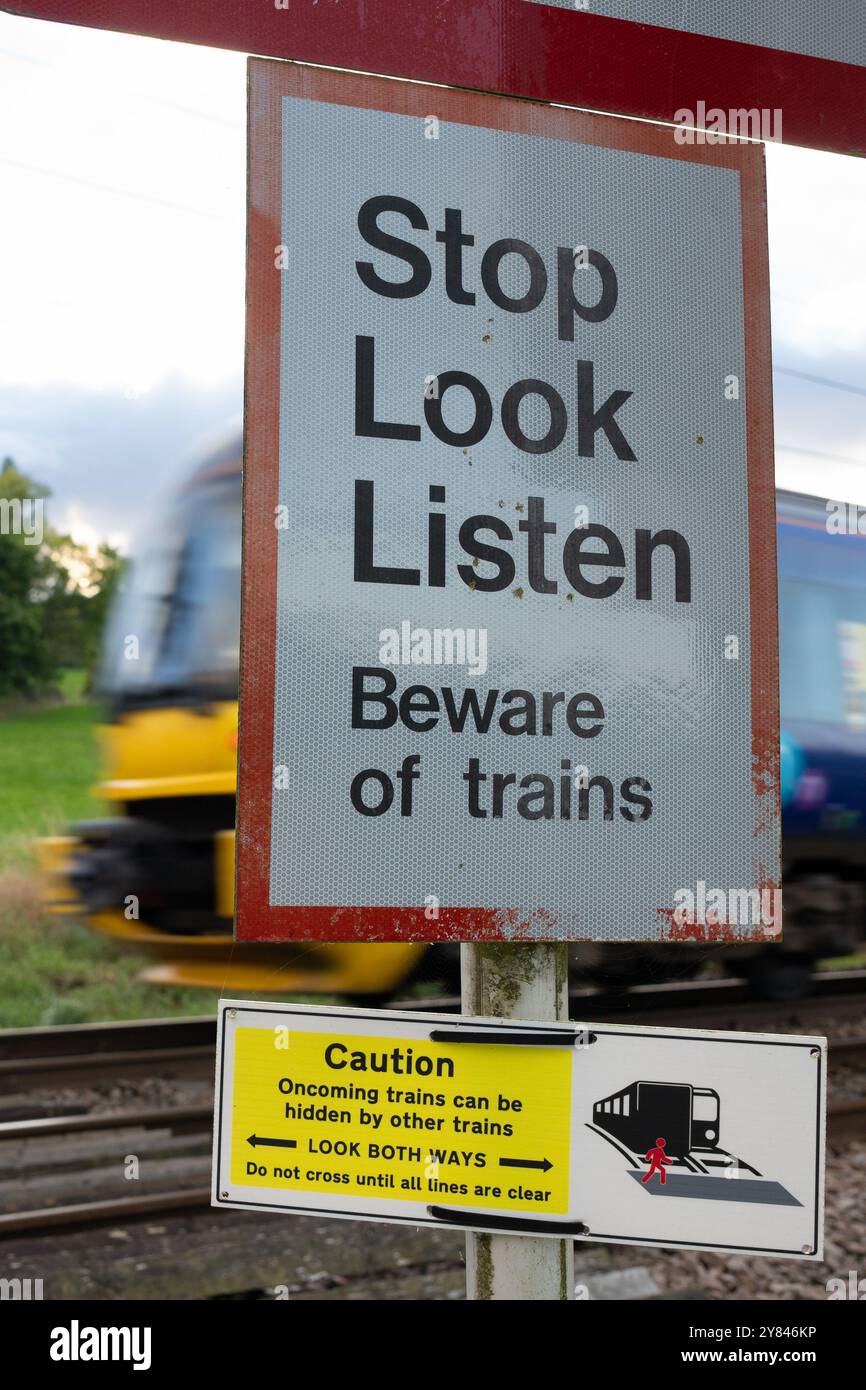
(394, 1117)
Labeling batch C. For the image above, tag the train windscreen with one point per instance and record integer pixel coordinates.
(705, 1107)
(174, 634)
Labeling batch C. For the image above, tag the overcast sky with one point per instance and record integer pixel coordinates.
(122, 269)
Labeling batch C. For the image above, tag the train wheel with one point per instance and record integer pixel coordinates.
(438, 968)
(780, 975)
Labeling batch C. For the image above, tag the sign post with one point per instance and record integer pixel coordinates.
(489, 440)
(500, 980)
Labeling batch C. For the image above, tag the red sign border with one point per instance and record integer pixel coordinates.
(269, 82)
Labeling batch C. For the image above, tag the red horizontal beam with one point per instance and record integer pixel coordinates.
(514, 47)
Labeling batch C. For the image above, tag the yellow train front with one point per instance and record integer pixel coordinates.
(158, 871)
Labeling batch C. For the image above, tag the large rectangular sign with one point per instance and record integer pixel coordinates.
(798, 68)
(652, 1136)
(509, 629)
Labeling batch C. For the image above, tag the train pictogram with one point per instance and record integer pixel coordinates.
(684, 1123)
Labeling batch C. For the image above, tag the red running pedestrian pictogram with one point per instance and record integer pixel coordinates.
(657, 1158)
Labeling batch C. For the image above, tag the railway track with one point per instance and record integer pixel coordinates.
(184, 1047)
(72, 1155)
(92, 1052)
(701, 1002)
(846, 1122)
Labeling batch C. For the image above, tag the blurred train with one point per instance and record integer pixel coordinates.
(158, 872)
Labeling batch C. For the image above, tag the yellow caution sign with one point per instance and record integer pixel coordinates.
(367, 1113)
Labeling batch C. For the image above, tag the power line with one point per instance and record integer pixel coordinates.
(190, 111)
(820, 454)
(141, 96)
(113, 189)
(822, 381)
(23, 57)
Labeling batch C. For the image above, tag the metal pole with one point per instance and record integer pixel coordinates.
(500, 980)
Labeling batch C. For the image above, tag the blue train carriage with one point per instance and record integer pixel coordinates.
(686, 1116)
(822, 612)
(821, 548)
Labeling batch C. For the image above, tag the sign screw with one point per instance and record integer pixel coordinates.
(233, 1013)
(224, 1194)
(808, 1250)
(815, 1052)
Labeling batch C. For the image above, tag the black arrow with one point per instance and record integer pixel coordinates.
(543, 1163)
(255, 1139)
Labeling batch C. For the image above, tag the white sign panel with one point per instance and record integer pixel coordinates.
(601, 1132)
(509, 619)
(696, 1138)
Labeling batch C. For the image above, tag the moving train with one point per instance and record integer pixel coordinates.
(158, 872)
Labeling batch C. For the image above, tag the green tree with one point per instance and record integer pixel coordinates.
(77, 605)
(54, 592)
(27, 574)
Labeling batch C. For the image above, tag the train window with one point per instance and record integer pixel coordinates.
(616, 1105)
(182, 597)
(705, 1106)
(625, 1104)
(823, 652)
(852, 637)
